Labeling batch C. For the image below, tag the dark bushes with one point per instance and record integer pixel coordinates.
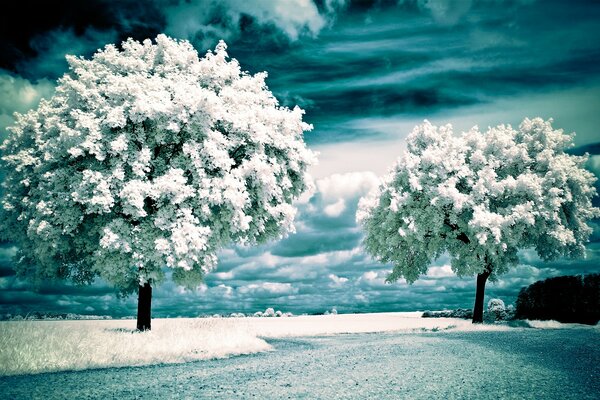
(458, 313)
(564, 299)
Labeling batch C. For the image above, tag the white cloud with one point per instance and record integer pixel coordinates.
(298, 273)
(262, 261)
(224, 290)
(268, 288)
(335, 209)
(317, 259)
(20, 95)
(445, 271)
(369, 276)
(425, 283)
(346, 186)
(374, 279)
(330, 258)
(223, 275)
(361, 298)
(337, 280)
(195, 20)
(341, 158)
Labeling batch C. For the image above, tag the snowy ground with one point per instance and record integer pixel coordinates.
(409, 357)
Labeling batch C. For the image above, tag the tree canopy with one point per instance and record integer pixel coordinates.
(148, 156)
(480, 197)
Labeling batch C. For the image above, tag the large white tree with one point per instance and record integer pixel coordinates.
(146, 157)
(480, 197)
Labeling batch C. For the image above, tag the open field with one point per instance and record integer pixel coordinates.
(29, 347)
(46, 346)
(423, 361)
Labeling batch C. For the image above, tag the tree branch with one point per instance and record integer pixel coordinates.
(461, 235)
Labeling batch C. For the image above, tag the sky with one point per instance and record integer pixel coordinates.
(366, 72)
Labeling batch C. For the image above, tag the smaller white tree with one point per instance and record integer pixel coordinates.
(480, 197)
(149, 157)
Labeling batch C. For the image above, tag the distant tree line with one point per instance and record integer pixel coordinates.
(37, 315)
(564, 299)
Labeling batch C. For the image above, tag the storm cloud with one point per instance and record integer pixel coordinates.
(365, 72)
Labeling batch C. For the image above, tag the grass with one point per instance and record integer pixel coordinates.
(47, 346)
(29, 347)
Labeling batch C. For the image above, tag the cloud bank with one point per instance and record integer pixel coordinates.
(366, 72)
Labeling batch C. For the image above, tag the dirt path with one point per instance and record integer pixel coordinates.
(515, 364)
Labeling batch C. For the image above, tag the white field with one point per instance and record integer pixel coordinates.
(28, 347)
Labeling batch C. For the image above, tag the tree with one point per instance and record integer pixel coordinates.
(480, 197)
(148, 156)
(562, 298)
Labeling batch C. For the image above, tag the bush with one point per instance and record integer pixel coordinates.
(458, 313)
(496, 311)
(510, 312)
(269, 312)
(564, 299)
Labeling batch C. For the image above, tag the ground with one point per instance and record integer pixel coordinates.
(518, 363)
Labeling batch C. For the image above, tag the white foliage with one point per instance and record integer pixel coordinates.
(496, 306)
(480, 197)
(269, 312)
(150, 156)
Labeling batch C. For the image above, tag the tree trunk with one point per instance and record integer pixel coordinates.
(478, 308)
(144, 313)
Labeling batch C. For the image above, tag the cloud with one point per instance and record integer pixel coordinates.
(440, 272)
(224, 275)
(593, 164)
(19, 95)
(205, 22)
(366, 73)
(335, 209)
(337, 280)
(450, 12)
(267, 289)
(445, 11)
(346, 186)
(51, 48)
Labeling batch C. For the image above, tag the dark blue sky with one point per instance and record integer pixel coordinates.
(366, 72)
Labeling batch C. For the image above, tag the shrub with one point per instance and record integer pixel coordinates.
(269, 312)
(496, 310)
(463, 313)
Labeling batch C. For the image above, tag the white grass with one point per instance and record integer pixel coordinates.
(44, 346)
(316, 325)
(552, 324)
(28, 347)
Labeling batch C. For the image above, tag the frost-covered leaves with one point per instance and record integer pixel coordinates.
(149, 156)
(480, 197)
